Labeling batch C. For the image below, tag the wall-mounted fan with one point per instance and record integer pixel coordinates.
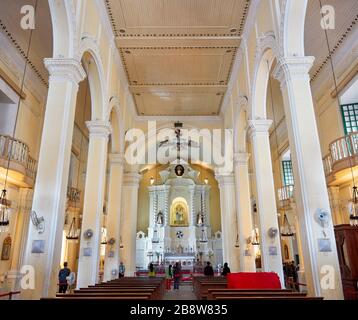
(38, 222)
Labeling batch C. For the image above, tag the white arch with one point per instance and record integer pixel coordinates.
(118, 127)
(96, 76)
(63, 17)
(292, 28)
(266, 53)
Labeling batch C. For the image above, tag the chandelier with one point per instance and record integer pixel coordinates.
(286, 229)
(73, 232)
(5, 211)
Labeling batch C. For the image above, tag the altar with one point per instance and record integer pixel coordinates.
(179, 221)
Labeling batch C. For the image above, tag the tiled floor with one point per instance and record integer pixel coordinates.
(185, 292)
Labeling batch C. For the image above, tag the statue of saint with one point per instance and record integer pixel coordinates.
(179, 215)
(160, 217)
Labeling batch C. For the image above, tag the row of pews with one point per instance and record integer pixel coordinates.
(126, 288)
(215, 288)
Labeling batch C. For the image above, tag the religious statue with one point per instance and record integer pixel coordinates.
(200, 219)
(179, 170)
(160, 217)
(179, 215)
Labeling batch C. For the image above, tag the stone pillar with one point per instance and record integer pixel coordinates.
(337, 216)
(266, 201)
(310, 184)
(244, 215)
(52, 174)
(228, 219)
(112, 259)
(129, 220)
(88, 264)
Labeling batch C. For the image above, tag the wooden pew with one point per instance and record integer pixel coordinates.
(213, 293)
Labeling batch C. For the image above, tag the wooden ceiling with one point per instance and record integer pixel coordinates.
(178, 54)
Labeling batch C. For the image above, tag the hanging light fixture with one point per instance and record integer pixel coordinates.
(5, 204)
(73, 232)
(4, 212)
(353, 206)
(104, 236)
(121, 245)
(286, 229)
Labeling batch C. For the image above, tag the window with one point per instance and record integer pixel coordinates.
(350, 117)
(287, 172)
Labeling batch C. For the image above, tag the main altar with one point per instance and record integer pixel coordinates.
(179, 221)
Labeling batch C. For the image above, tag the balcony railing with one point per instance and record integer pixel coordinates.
(285, 193)
(73, 194)
(341, 149)
(18, 152)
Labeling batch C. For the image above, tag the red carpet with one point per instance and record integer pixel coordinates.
(253, 280)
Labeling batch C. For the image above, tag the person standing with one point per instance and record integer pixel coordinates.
(121, 270)
(151, 270)
(169, 277)
(177, 275)
(62, 278)
(208, 270)
(226, 269)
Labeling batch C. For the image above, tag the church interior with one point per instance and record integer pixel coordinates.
(137, 135)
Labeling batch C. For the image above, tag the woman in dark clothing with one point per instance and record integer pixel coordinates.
(226, 269)
(208, 270)
(177, 275)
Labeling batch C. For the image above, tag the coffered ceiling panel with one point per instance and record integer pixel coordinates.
(173, 17)
(185, 66)
(178, 54)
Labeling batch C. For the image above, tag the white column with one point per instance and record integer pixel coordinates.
(244, 215)
(310, 184)
(129, 220)
(228, 219)
(52, 175)
(270, 247)
(112, 258)
(88, 264)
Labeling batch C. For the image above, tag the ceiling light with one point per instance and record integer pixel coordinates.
(233, 30)
(122, 30)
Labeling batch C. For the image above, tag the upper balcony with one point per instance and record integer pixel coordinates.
(285, 196)
(342, 156)
(22, 167)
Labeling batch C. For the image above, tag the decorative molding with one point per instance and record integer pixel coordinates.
(290, 68)
(218, 118)
(62, 69)
(259, 126)
(224, 178)
(99, 129)
(241, 158)
(23, 52)
(341, 40)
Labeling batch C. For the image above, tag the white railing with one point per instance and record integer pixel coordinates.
(17, 151)
(285, 193)
(341, 149)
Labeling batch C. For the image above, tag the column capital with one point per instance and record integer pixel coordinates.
(241, 158)
(131, 179)
(258, 126)
(62, 69)
(99, 129)
(225, 179)
(116, 159)
(289, 68)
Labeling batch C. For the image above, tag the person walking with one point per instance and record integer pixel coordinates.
(226, 269)
(177, 275)
(208, 270)
(121, 270)
(62, 278)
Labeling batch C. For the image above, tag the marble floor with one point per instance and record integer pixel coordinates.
(185, 292)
